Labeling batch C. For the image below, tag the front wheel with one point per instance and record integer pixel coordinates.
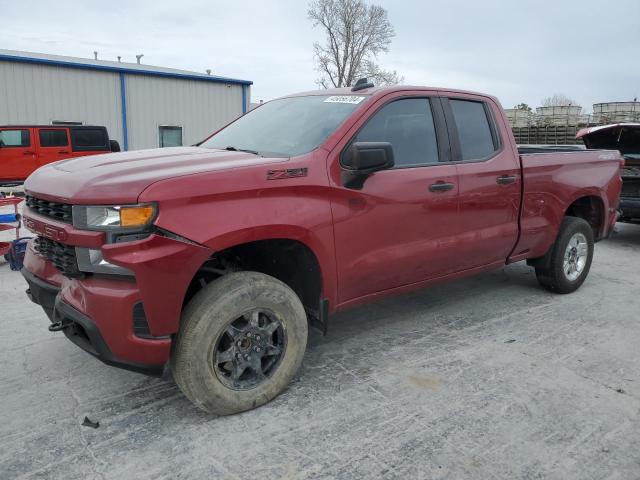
(241, 341)
(571, 257)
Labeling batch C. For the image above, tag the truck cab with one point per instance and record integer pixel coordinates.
(25, 148)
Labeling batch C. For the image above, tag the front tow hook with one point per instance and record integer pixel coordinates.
(57, 326)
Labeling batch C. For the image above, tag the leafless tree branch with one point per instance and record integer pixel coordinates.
(356, 33)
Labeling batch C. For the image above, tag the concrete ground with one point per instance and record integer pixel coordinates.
(489, 377)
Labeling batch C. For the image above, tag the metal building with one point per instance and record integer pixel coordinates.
(142, 106)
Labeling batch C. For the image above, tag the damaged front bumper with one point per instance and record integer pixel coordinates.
(125, 321)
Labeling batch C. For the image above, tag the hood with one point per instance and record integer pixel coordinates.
(121, 177)
(624, 137)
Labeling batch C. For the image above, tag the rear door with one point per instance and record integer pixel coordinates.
(489, 180)
(400, 227)
(17, 153)
(53, 144)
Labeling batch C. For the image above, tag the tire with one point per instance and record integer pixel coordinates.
(213, 330)
(555, 277)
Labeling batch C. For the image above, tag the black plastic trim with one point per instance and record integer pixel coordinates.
(40, 292)
(93, 342)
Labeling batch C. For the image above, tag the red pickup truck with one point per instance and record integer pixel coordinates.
(212, 260)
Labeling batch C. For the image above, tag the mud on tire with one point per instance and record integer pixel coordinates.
(241, 341)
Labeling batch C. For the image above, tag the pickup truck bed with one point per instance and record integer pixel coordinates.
(213, 260)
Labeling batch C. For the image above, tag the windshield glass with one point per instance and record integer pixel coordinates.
(286, 127)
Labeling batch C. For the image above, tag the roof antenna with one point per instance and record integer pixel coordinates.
(119, 57)
(138, 57)
(361, 84)
(95, 55)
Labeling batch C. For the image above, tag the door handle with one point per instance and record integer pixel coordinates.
(63, 151)
(506, 180)
(28, 153)
(441, 187)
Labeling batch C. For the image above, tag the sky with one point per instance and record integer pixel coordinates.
(518, 50)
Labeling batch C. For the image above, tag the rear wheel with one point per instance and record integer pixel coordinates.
(241, 341)
(570, 257)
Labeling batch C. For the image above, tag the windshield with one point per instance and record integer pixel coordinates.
(286, 127)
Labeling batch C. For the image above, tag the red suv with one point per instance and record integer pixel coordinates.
(25, 148)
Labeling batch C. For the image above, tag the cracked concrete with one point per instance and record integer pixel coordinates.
(489, 377)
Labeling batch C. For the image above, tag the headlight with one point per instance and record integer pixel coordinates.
(114, 217)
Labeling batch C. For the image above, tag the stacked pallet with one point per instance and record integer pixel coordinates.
(547, 135)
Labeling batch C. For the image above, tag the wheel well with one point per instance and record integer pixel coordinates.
(290, 261)
(591, 209)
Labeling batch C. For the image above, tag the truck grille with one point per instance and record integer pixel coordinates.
(55, 210)
(62, 256)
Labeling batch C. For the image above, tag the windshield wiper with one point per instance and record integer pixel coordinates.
(234, 149)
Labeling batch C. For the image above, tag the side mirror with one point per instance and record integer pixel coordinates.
(114, 145)
(362, 159)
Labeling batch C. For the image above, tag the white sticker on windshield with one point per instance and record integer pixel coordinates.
(344, 99)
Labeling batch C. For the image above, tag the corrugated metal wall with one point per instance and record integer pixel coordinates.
(38, 94)
(199, 107)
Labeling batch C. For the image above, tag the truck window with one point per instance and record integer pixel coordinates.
(408, 125)
(53, 138)
(474, 129)
(89, 139)
(287, 126)
(14, 138)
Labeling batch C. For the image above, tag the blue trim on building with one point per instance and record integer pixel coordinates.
(123, 107)
(244, 99)
(109, 68)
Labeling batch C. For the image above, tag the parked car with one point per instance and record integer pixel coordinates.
(25, 148)
(214, 259)
(624, 137)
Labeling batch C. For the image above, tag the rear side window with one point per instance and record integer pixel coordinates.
(408, 125)
(14, 138)
(474, 129)
(53, 138)
(89, 139)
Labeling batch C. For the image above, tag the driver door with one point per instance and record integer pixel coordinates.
(400, 228)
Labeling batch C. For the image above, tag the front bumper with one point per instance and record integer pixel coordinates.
(84, 332)
(630, 208)
(100, 313)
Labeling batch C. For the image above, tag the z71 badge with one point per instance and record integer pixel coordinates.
(287, 173)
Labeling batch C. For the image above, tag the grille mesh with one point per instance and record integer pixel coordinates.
(54, 210)
(62, 256)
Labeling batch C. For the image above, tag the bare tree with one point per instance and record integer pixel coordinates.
(558, 100)
(356, 33)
